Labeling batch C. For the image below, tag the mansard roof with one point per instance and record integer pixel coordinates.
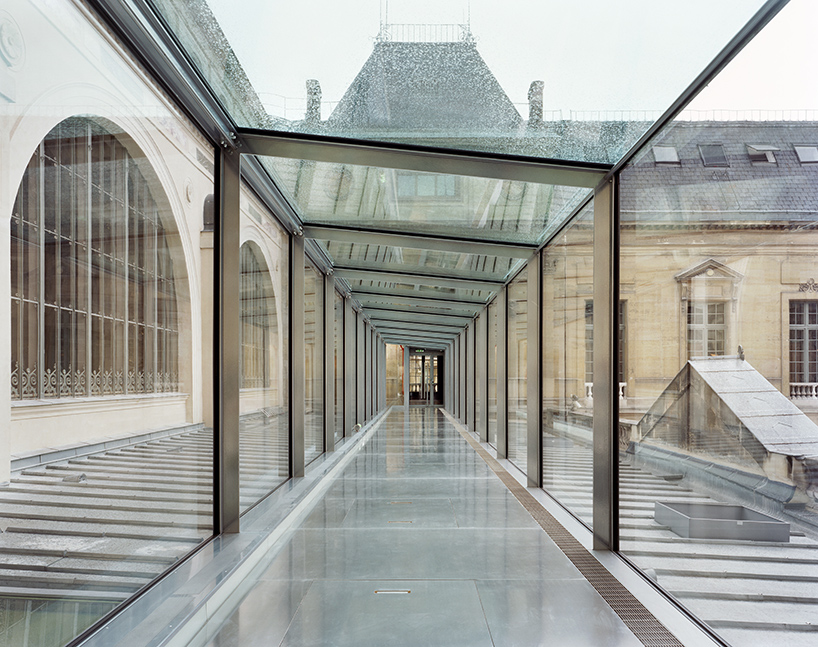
(416, 87)
(743, 191)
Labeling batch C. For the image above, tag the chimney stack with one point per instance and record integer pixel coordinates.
(313, 115)
(535, 104)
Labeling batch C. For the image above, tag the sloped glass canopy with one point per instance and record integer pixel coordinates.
(422, 290)
(372, 256)
(569, 81)
(401, 201)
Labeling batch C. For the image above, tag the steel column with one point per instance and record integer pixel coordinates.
(470, 376)
(534, 374)
(329, 363)
(350, 382)
(606, 400)
(481, 369)
(360, 370)
(502, 373)
(226, 343)
(298, 373)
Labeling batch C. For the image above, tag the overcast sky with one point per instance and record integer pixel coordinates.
(592, 54)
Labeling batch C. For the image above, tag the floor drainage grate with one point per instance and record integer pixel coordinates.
(392, 591)
(633, 613)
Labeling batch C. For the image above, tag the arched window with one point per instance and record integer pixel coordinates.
(258, 320)
(93, 298)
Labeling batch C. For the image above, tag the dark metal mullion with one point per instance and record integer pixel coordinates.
(427, 159)
(226, 378)
(126, 250)
(534, 370)
(89, 317)
(606, 387)
(41, 276)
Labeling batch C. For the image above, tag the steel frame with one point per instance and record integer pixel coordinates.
(423, 159)
(151, 43)
(375, 236)
(402, 295)
(360, 274)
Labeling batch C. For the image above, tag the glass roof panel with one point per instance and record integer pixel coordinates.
(390, 258)
(424, 203)
(410, 290)
(562, 80)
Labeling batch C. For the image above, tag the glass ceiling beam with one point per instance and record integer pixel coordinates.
(430, 272)
(270, 143)
(371, 236)
(418, 320)
(393, 326)
(421, 339)
(442, 312)
(417, 339)
(362, 294)
(418, 279)
(403, 305)
(458, 320)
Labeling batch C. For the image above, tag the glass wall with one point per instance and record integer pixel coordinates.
(493, 341)
(314, 362)
(719, 337)
(567, 327)
(338, 335)
(517, 358)
(394, 374)
(264, 388)
(106, 441)
(480, 370)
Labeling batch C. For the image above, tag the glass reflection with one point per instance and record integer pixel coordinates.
(263, 396)
(338, 333)
(567, 311)
(481, 208)
(389, 258)
(427, 75)
(314, 355)
(517, 358)
(718, 418)
(106, 442)
(492, 372)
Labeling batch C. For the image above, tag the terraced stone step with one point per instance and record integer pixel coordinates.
(203, 525)
(78, 496)
(142, 537)
(55, 481)
(8, 499)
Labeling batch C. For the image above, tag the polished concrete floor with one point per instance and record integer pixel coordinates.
(419, 543)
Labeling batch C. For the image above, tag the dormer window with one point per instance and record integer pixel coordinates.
(713, 155)
(666, 155)
(807, 154)
(762, 153)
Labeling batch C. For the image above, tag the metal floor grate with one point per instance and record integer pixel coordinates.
(633, 613)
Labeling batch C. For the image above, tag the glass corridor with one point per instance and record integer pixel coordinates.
(224, 265)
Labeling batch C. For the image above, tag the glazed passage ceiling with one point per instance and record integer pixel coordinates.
(457, 74)
(487, 129)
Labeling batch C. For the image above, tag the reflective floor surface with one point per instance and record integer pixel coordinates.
(419, 543)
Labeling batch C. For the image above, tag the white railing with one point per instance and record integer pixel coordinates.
(589, 390)
(803, 390)
(425, 33)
